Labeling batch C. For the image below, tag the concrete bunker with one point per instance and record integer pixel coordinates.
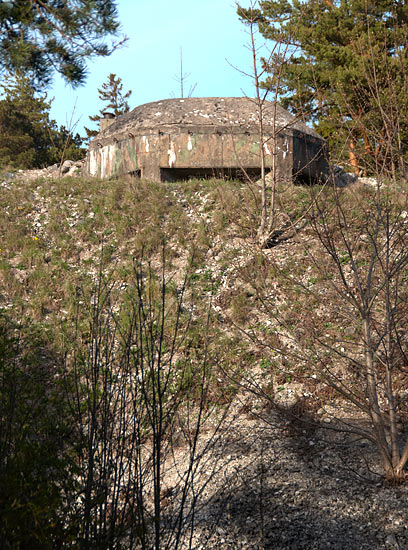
(177, 139)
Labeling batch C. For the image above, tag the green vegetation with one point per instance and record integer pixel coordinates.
(134, 315)
(93, 385)
(28, 137)
(106, 293)
(111, 93)
(346, 72)
(36, 469)
(39, 38)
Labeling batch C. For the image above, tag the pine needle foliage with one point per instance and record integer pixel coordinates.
(41, 37)
(347, 74)
(29, 138)
(111, 93)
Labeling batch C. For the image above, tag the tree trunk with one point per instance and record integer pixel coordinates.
(353, 158)
(374, 408)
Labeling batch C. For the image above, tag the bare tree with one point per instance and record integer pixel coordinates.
(265, 102)
(364, 267)
(338, 319)
(140, 405)
(339, 316)
(182, 77)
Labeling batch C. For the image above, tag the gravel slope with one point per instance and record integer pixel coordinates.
(298, 492)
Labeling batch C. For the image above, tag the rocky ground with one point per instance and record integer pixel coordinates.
(298, 491)
(67, 168)
(274, 487)
(74, 168)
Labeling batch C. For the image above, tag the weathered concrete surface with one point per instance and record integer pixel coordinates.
(176, 138)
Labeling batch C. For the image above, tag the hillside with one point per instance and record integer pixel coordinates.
(109, 274)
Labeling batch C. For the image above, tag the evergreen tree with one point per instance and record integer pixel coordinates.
(24, 119)
(347, 73)
(29, 138)
(111, 93)
(65, 145)
(43, 36)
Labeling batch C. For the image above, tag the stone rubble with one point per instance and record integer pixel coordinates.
(302, 491)
(67, 168)
(342, 178)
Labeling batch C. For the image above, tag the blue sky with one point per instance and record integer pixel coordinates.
(209, 33)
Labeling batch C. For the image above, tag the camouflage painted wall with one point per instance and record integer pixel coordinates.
(199, 134)
(149, 153)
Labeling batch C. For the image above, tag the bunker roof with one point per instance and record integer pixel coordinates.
(236, 113)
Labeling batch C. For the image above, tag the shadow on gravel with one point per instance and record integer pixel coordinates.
(326, 443)
(287, 498)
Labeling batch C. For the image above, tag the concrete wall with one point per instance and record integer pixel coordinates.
(154, 155)
(310, 158)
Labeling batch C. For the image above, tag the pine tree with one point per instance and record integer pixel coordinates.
(111, 93)
(24, 119)
(29, 138)
(43, 36)
(65, 145)
(347, 73)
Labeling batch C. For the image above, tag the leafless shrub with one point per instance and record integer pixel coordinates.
(340, 322)
(139, 405)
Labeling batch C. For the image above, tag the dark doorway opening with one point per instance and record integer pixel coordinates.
(182, 174)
